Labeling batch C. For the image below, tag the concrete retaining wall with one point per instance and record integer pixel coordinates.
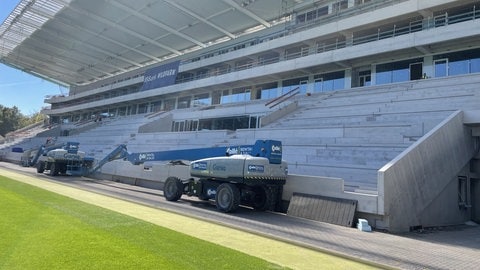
(156, 174)
(328, 187)
(163, 124)
(419, 187)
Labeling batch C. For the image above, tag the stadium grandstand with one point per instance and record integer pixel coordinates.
(376, 102)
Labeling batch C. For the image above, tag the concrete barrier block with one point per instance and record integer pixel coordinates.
(363, 225)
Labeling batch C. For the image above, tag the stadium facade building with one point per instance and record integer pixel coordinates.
(375, 101)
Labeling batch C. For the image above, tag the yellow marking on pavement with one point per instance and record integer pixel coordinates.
(278, 252)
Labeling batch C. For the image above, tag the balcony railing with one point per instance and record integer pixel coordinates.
(414, 26)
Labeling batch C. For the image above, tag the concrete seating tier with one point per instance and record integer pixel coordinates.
(348, 134)
(352, 133)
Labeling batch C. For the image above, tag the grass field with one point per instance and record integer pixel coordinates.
(43, 230)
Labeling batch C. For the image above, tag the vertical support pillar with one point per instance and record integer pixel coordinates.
(348, 78)
(279, 89)
(373, 74)
(311, 84)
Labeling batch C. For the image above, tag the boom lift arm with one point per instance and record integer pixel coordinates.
(42, 150)
(118, 153)
(261, 148)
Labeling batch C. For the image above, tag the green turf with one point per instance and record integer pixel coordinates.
(44, 230)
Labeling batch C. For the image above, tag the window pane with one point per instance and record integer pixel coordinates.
(441, 68)
(328, 85)
(384, 77)
(475, 65)
(269, 93)
(318, 86)
(225, 99)
(322, 11)
(339, 84)
(301, 18)
(400, 75)
(303, 88)
(183, 103)
(458, 67)
(312, 15)
(331, 81)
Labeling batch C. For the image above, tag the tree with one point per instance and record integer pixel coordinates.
(11, 119)
(32, 119)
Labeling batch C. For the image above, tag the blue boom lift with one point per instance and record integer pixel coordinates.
(70, 161)
(29, 160)
(251, 175)
(66, 160)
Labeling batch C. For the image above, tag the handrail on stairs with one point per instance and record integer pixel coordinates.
(278, 100)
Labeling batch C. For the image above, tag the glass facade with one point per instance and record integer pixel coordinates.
(236, 95)
(202, 100)
(441, 68)
(395, 72)
(295, 84)
(183, 103)
(268, 91)
(457, 63)
(329, 81)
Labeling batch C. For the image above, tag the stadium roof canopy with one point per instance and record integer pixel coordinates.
(75, 42)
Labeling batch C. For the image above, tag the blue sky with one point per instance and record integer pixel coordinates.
(18, 88)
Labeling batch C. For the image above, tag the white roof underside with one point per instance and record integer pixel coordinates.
(76, 42)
